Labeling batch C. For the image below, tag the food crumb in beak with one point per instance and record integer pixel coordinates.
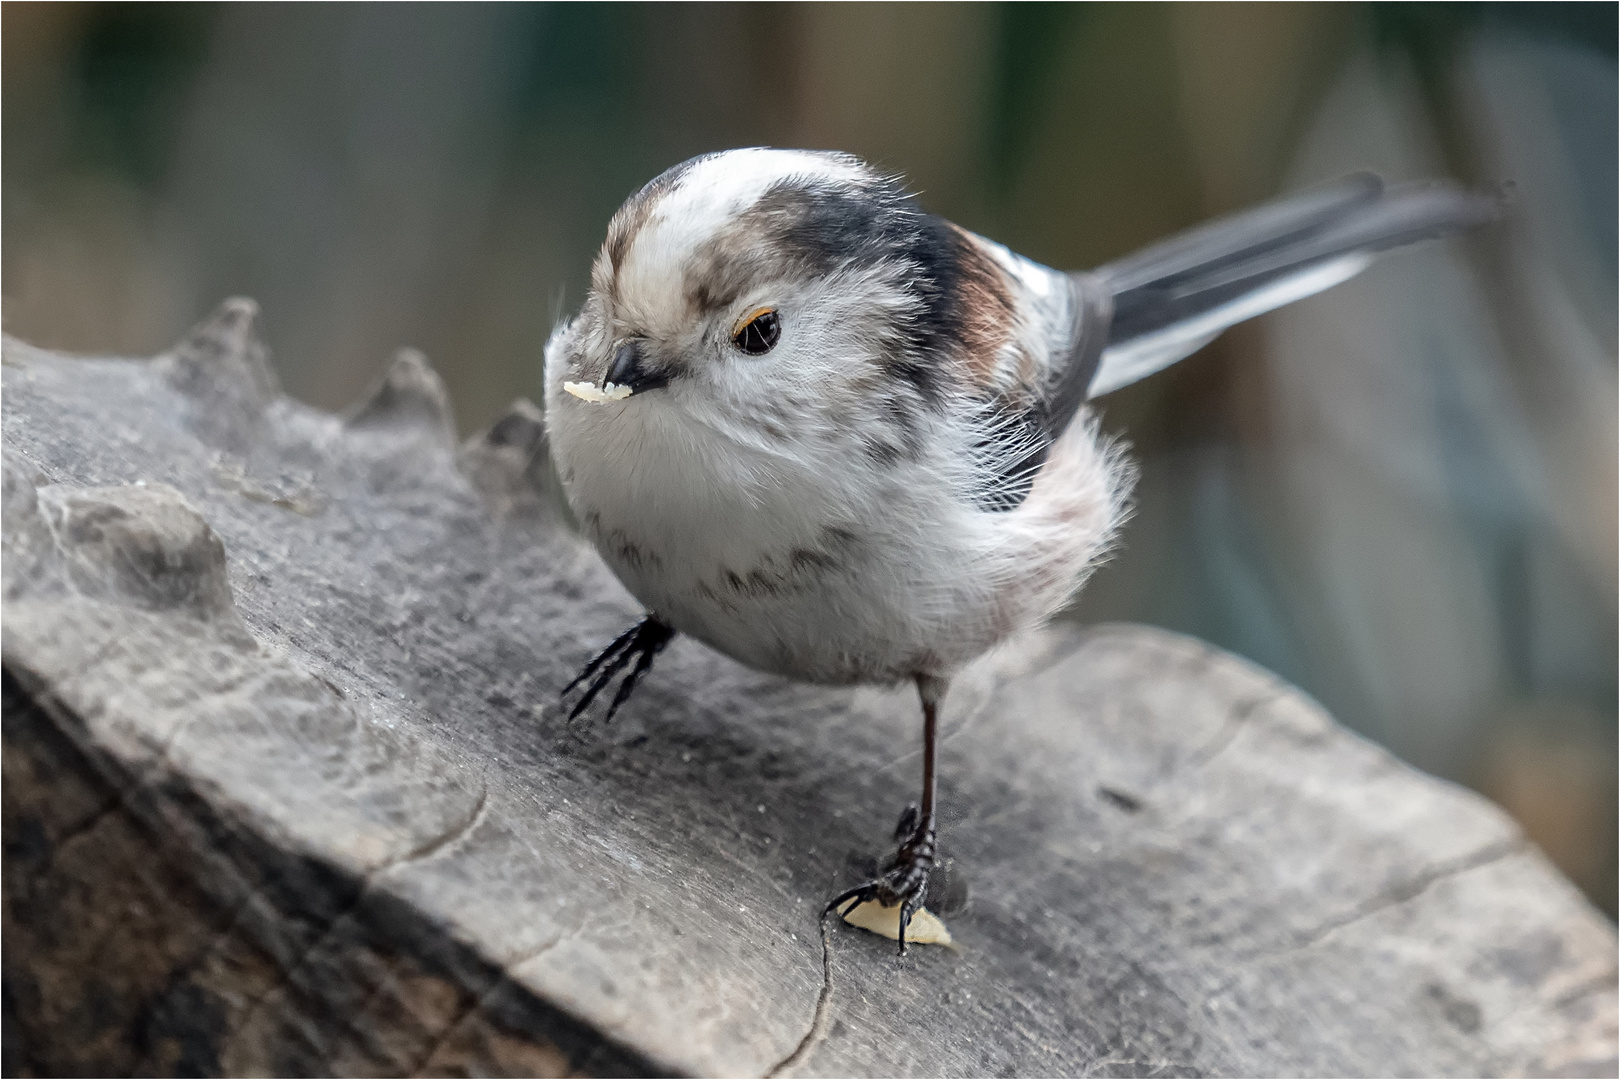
(590, 392)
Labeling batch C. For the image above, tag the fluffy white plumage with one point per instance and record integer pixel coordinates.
(740, 502)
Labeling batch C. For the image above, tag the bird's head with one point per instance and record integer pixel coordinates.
(766, 290)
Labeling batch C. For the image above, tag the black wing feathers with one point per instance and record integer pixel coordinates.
(1212, 266)
(1201, 271)
(1243, 234)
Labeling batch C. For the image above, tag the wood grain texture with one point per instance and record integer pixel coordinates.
(287, 790)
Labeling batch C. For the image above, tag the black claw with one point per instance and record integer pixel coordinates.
(904, 880)
(860, 894)
(628, 686)
(601, 680)
(596, 661)
(641, 643)
(907, 906)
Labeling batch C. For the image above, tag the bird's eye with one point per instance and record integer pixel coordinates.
(758, 331)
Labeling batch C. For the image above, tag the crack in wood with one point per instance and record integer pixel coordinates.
(360, 894)
(1604, 981)
(477, 1005)
(1236, 721)
(448, 839)
(1409, 890)
(819, 1018)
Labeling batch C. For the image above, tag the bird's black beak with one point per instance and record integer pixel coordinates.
(627, 370)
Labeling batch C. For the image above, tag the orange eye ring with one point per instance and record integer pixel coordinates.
(758, 332)
(743, 322)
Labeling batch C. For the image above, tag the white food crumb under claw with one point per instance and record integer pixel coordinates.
(590, 392)
(924, 928)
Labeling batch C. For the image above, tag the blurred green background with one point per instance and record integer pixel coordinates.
(1401, 495)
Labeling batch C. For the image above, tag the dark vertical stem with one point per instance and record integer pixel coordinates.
(930, 724)
(932, 692)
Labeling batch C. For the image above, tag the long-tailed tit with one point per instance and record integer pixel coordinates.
(838, 438)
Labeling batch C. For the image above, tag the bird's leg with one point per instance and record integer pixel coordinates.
(640, 643)
(904, 880)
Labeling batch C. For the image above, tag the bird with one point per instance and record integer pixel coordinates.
(842, 440)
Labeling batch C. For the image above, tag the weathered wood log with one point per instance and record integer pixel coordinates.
(287, 790)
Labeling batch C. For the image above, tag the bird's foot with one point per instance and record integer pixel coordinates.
(905, 880)
(641, 643)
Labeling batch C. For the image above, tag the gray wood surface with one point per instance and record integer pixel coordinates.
(287, 790)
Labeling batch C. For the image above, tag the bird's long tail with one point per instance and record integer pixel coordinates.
(1173, 298)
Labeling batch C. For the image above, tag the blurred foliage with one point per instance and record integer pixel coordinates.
(133, 67)
(1432, 33)
(1030, 41)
